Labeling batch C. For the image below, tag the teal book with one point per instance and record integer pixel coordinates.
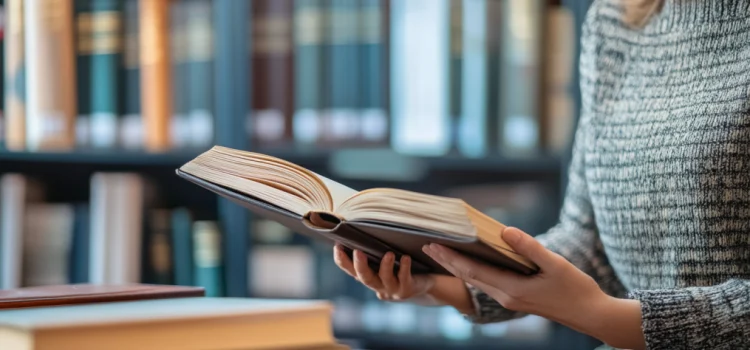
(104, 23)
(79, 250)
(308, 69)
(182, 246)
(374, 72)
(208, 272)
(199, 71)
(341, 66)
(131, 124)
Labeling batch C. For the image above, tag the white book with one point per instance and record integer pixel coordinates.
(472, 139)
(420, 55)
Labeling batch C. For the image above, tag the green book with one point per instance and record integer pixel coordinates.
(104, 45)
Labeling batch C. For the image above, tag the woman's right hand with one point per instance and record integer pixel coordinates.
(385, 283)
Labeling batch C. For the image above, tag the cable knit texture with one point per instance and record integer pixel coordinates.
(658, 202)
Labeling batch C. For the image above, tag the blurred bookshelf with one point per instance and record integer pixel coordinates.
(476, 99)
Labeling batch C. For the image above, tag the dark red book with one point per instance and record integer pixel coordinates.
(86, 293)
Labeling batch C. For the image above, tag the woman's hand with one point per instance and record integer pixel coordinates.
(560, 291)
(385, 283)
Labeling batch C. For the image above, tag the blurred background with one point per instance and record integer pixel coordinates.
(104, 99)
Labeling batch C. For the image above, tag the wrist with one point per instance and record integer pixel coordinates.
(615, 321)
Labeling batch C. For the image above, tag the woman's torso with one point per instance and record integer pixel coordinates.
(667, 142)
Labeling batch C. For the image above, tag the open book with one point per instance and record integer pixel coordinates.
(374, 221)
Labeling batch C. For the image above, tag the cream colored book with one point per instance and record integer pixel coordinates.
(375, 220)
(182, 323)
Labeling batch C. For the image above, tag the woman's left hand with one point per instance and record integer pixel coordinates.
(559, 291)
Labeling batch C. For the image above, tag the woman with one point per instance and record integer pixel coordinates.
(653, 247)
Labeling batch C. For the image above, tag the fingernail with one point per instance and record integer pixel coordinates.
(388, 256)
(511, 235)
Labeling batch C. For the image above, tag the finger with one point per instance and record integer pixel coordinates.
(364, 273)
(404, 276)
(469, 269)
(343, 261)
(386, 275)
(527, 246)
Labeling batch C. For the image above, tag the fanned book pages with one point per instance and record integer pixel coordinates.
(375, 221)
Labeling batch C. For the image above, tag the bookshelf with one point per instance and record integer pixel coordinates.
(232, 88)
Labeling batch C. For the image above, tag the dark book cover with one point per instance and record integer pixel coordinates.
(272, 63)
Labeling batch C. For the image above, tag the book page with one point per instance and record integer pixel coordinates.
(339, 193)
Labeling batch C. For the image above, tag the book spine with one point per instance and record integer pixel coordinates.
(373, 115)
(200, 47)
(47, 238)
(158, 262)
(12, 213)
(520, 66)
(131, 128)
(493, 28)
(455, 70)
(419, 77)
(105, 25)
(179, 77)
(472, 141)
(156, 84)
(51, 71)
(308, 64)
(207, 257)
(182, 247)
(83, 39)
(273, 72)
(342, 58)
(15, 75)
(79, 251)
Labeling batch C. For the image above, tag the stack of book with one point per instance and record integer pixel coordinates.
(172, 323)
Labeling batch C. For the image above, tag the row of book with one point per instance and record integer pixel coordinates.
(108, 74)
(421, 76)
(121, 235)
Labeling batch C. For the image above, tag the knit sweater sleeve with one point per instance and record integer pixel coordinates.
(715, 317)
(575, 237)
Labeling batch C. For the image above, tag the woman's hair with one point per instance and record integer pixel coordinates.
(638, 12)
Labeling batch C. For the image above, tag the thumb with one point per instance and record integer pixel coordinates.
(527, 246)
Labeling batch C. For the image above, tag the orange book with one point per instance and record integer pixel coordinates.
(155, 73)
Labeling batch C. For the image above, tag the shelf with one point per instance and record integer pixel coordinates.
(348, 163)
(100, 158)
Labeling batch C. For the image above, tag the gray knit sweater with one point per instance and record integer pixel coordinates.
(658, 201)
